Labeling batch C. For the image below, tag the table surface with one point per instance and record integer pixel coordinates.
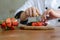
(31, 34)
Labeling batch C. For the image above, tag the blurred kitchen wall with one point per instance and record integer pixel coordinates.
(8, 7)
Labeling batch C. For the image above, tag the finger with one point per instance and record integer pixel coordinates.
(30, 12)
(46, 14)
(51, 14)
(27, 12)
(55, 13)
(38, 12)
(34, 13)
(44, 17)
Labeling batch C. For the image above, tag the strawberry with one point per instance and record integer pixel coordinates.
(12, 27)
(39, 23)
(34, 24)
(14, 22)
(3, 25)
(8, 22)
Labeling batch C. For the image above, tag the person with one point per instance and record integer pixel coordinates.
(43, 8)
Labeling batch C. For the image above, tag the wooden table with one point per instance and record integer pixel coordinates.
(31, 34)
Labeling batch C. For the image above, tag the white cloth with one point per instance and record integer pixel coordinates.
(40, 5)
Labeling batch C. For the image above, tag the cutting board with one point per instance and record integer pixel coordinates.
(25, 27)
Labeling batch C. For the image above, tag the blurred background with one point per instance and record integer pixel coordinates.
(8, 7)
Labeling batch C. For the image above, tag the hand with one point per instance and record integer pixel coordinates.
(50, 14)
(30, 12)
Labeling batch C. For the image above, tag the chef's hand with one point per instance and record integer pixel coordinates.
(50, 14)
(30, 12)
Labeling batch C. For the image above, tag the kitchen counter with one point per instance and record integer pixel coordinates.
(31, 34)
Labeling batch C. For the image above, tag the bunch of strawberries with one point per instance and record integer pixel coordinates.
(9, 24)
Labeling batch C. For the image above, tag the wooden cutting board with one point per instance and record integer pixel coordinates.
(25, 27)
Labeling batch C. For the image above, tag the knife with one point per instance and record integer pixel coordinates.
(34, 19)
(37, 18)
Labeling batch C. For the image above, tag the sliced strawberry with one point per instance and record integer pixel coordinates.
(34, 24)
(38, 24)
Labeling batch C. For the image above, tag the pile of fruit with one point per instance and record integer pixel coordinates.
(9, 24)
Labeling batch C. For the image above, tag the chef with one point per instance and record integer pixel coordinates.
(44, 8)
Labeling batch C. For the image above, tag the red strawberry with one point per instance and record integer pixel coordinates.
(3, 25)
(12, 28)
(40, 23)
(14, 21)
(34, 24)
(8, 22)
